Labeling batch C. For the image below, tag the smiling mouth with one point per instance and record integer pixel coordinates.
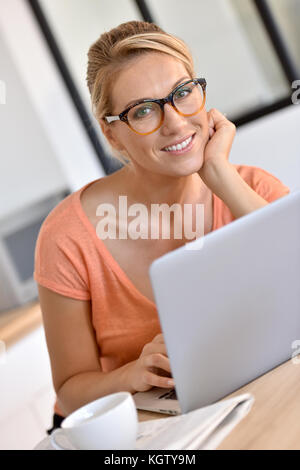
(181, 147)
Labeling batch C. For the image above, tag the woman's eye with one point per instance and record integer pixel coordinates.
(143, 111)
(182, 93)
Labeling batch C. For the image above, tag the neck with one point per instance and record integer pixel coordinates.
(149, 188)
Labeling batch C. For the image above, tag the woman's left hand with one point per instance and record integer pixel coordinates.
(221, 135)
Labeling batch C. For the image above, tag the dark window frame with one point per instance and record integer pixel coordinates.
(109, 165)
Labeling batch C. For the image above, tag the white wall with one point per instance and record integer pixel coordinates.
(287, 13)
(44, 145)
(272, 143)
(28, 166)
(76, 25)
(27, 395)
(224, 52)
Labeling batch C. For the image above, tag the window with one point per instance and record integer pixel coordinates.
(231, 50)
(231, 45)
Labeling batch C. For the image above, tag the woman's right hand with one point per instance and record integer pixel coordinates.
(149, 369)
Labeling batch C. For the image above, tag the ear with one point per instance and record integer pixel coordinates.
(110, 135)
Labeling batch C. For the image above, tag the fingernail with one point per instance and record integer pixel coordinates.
(171, 383)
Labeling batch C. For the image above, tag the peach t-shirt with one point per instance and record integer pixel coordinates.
(71, 260)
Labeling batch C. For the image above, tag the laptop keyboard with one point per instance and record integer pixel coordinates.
(171, 395)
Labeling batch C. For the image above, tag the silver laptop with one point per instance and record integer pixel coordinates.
(229, 306)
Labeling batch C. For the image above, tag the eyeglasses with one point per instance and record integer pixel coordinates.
(146, 116)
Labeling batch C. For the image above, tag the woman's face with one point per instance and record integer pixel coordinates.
(155, 75)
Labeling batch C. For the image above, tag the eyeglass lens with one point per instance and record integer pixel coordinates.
(146, 117)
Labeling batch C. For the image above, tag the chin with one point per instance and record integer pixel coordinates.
(181, 171)
(188, 166)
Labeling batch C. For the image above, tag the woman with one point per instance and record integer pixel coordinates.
(101, 323)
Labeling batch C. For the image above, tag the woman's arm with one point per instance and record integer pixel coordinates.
(74, 355)
(220, 175)
(224, 180)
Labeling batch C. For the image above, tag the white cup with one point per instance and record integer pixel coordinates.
(110, 423)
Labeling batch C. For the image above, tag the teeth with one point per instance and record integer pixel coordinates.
(181, 146)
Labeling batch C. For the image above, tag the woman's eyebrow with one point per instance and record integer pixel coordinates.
(148, 98)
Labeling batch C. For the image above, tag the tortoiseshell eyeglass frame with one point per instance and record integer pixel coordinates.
(123, 116)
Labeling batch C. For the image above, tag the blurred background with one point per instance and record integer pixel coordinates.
(51, 145)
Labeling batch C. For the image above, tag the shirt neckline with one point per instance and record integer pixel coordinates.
(104, 250)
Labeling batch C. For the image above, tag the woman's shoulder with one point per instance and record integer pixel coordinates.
(268, 185)
(59, 258)
(254, 174)
(62, 215)
(64, 221)
(69, 221)
(105, 190)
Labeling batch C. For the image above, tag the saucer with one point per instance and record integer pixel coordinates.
(61, 440)
(45, 444)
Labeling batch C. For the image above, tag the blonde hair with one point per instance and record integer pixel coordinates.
(115, 48)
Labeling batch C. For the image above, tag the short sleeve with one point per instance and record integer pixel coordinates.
(59, 262)
(269, 186)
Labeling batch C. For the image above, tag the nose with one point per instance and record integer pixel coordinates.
(173, 121)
